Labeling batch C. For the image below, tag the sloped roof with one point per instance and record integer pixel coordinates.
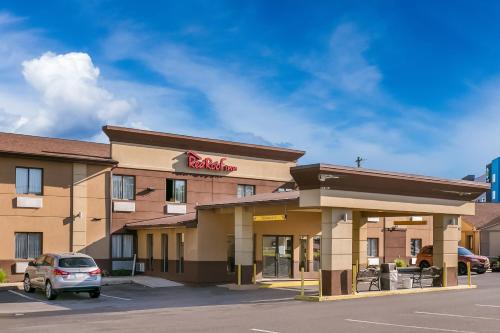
(166, 221)
(263, 198)
(487, 215)
(37, 146)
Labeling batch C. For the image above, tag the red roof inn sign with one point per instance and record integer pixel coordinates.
(196, 162)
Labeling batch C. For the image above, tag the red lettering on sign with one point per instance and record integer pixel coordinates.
(196, 162)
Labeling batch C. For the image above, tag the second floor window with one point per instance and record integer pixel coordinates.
(123, 187)
(245, 190)
(29, 181)
(176, 190)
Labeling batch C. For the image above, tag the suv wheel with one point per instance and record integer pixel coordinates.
(50, 294)
(95, 294)
(424, 264)
(462, 268)
(27, 285)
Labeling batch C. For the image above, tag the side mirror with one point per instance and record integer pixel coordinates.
(32, 263)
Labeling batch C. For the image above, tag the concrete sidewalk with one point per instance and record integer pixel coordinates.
(148, 281)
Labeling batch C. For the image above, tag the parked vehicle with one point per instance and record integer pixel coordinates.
(478, 264)
(58, 273)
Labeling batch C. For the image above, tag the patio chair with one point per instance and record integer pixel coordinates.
(371, 275)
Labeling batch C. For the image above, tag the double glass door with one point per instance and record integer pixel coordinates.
(277, 256)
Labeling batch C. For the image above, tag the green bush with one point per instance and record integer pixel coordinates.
(3, 276)
(400, 263)
(121, 272)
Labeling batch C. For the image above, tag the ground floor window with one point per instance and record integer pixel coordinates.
(149, 250)
(180, 253)
(122, 246)
(164, 252)
(231, 264)
(303, 253)
(28, 245)
(372, 247)
(416, 245)
(316, 253)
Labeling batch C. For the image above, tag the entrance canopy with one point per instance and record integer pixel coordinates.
(384, 193)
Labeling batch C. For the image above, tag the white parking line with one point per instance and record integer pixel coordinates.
(263, 331)
(122, 298)
(408, 326)
(455, 315)
(488, 305)
(22, 295)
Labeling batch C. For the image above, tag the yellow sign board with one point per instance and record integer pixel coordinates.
(410, 222)
(267, 218)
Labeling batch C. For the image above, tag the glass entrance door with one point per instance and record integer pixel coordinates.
(277, 256)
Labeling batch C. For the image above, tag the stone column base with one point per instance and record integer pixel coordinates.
(338, 282)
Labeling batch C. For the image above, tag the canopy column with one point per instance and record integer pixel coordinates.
(336, 251)
(446, 234)
(359, 239)
(243, 242)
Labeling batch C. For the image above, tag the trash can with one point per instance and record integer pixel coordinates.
(388, 277)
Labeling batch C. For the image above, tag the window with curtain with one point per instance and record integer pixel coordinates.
(28, 245)
(123, 187)
(176, 190)
(122, 246)
(245, 190)
(29, 181)
(372, 247)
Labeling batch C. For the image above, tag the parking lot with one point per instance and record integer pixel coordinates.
(213, 309)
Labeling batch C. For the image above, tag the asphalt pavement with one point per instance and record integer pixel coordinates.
(129, 308)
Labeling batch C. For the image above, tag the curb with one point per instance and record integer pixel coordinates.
(11, 286)
(382, 293)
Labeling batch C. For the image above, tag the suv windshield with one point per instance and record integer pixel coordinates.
(462, 251)
(76, 262)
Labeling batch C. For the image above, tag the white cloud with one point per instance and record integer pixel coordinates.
(71, 97)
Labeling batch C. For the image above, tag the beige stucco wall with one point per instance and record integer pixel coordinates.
(54, 219)
(190, 243)
(384, 202)
(168, 159)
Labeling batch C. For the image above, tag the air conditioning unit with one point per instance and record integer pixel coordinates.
(140, 267)
(21, 267)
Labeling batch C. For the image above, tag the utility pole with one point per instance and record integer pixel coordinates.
(358, 161)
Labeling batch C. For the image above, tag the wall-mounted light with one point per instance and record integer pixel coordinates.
(96, 219)
(323, 177)
(77, 215)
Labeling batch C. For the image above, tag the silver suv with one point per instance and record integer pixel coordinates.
(67, 272)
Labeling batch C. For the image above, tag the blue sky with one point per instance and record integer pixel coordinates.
(410, 86)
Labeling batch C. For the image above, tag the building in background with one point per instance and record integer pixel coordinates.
(492, 174)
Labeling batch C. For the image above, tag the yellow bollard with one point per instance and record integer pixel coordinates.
(239, 275)
(469, 282)
(357, 265)
(302, 281)
(354, 277)
(320, 284)
(254, 277)
(445, 276)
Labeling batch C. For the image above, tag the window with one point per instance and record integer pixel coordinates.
(180, 253)
(303, 254)
(176, 190)
(470, 242)
(493, 195)
(316, 253)
(29, 181)
(493, 178)
(231, 265)
(462, 251)
(28, 245)
(122, 246)
(372, 247)
(123, 187)
(416, 245)
(164, 252)
(245, 190)
(76, 262)
(149, 250)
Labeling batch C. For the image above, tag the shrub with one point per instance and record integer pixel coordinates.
(400, 262)
(3, 276)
